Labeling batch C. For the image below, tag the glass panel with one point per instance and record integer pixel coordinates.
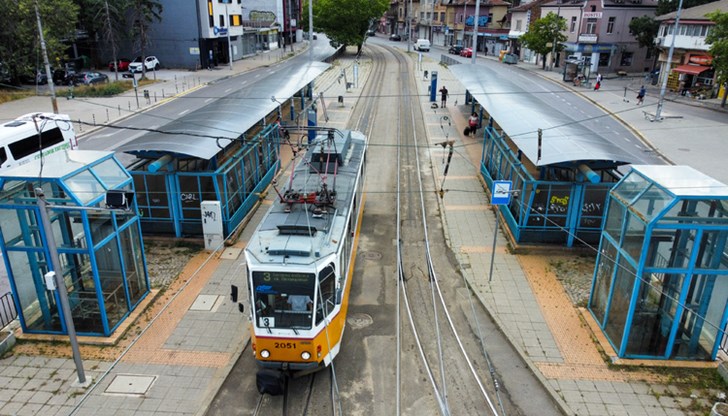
(68, 230)
(619, 306)
(37, 304)
(603, 280)
(283, 299)
(592, 208)
(647, 334)
(190, 193)
(84, 186)
(630, 187)
(136, 276)
(82, 295)
(681, 249)
(615, 219)
(101, 225)
(651, 203)
(108, 262)
(110, 173)
(634, 236)
(688, 344)
(712, 248)
(327, 297)
(20, 228)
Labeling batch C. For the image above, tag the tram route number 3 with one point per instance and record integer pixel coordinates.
(267, 322)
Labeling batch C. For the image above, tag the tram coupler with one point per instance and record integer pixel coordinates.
(270, 381)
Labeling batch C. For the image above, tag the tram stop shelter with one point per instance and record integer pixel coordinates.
(661, 281)
(226, 151)
(100, 248)
(561, 167)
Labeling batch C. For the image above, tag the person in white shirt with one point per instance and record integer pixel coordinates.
(299, 302)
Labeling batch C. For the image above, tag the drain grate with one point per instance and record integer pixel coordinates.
(130, 384)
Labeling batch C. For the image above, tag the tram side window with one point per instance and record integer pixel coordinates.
(327, 294)
(30, 145)
(3, 155)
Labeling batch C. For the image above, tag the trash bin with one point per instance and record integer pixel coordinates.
(502, 54)
(146, 94)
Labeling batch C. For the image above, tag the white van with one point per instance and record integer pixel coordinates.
(19, 141)
(422, 45)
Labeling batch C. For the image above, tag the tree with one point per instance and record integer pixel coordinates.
(19, 40)
(543, 33)
(718, 40)
(142, 14)
(644, 29)
(345, 22)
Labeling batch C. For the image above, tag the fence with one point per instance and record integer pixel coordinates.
(7, 310)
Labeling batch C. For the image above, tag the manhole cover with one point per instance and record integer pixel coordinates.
(359, 320)
(204, 303)
(373, 255)
(130, 384)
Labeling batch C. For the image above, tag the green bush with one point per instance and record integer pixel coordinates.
(103, 90)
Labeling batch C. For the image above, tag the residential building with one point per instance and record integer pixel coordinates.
(522, 16)
(690, 71)
(493, 24)
(599, 31)
(207, 33)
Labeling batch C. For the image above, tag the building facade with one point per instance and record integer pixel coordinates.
(690, 71)
(599, 31)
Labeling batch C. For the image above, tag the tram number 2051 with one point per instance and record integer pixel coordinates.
(285, 345)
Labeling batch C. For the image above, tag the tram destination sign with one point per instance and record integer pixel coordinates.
(501, 193)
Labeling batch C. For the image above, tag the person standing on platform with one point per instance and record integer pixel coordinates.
(443, 96)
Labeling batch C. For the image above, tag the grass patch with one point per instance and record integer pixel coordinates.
(8, 95)
(98, 90)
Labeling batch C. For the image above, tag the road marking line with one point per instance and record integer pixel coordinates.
(183, 112)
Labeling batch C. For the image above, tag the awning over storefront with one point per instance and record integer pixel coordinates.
(691, 69)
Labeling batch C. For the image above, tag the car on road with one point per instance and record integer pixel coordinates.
(150, 63)
(395, 37)
(422, 45)
(370, 32)
(466, 52)
(122, 64)
(455, 49)
(89, 78)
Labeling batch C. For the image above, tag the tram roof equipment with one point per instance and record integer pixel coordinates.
(227, 118)
(520, 113)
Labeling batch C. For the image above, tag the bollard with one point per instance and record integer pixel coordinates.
(162, 92)
(80, 126)
(119, 108)
(93, 116)
(155, 96)
(129, 102)
(146, 96)
(107, 115)
(176, 88)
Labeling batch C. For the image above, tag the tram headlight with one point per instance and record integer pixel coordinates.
(264, 353)
(306, 355)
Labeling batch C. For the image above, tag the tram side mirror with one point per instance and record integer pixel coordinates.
(241, 307)
(233, 293)
(339, 292)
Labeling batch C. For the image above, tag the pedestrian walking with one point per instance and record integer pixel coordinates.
(597, 85)
(443, 96)
(599, 78)
(641, 95)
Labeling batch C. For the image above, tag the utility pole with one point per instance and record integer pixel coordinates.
(51, 87)
(666, 74)
(56, 279)
(310, 30)
(409, 26)
(475, 31)
(229, 27)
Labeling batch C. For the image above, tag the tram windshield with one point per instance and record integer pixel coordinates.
(283, 299)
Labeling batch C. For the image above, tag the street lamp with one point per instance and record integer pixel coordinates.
(229, 26)
(475, 31)
(666, 74)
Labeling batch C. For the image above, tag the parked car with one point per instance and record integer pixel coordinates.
(422, 45)
(89, 78)
(370, 32)
(466, 52)
(395, 37)
(150, 63)
(455, 49)
(64, 76)
(122, 64)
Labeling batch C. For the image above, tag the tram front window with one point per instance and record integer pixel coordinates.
(283, 299)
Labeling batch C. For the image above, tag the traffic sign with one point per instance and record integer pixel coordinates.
(501, 193)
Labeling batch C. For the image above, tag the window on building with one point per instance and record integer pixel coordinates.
(222, 20)
(670, 29)
(593, 8)
(649, 53)
(460, 20)
(401, 13)
(626, 59)
(683, 30)
(591, 26)
(610, 24)
(573, 24)
(518, 25)
(442, 16)
(490, 19)
(422, 15)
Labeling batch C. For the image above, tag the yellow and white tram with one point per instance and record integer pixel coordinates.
(300, 261)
